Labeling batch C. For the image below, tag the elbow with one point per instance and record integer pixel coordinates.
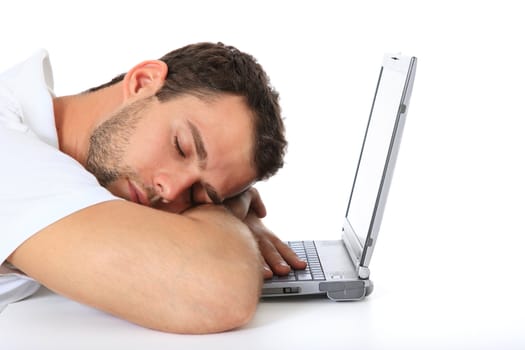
(234, 313)
(227, 295)
(223, 306)
(242, 306)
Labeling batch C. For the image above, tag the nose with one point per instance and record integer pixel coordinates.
(174, 189)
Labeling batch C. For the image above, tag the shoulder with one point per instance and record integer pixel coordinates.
(26, 92)
(10, 110)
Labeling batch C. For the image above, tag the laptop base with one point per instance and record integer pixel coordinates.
(340, 281)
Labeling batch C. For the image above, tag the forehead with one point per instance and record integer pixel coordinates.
(214, 115)
(222, 107)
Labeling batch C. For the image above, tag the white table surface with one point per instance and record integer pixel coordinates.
(434, 305)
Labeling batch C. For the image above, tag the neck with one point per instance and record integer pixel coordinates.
(77, 116)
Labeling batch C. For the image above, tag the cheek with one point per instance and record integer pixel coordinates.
(148, 152)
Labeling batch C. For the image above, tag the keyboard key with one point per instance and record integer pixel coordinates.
(306, 251)
(284, 278)
(304, 277)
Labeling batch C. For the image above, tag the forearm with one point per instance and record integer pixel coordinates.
(192, 273)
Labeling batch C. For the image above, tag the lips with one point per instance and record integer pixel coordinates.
(135, 195)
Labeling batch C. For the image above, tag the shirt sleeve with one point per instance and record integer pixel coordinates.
(14, 285)
(40, 185)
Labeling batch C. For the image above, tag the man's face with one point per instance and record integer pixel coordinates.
(177, 153)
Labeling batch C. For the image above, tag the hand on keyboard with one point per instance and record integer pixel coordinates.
(279, 258)
(307, 251)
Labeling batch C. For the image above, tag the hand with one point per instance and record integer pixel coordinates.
(242, 204)
(278, 256)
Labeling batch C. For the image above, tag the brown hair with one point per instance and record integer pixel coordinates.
(208, 69)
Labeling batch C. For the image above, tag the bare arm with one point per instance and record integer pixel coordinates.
(193, 273)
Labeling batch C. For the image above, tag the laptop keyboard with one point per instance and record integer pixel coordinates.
(307, 251)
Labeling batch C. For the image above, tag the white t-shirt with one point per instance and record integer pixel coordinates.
(39, 184)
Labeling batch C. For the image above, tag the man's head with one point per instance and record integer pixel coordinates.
(213, 95)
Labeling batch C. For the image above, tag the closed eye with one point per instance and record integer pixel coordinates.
(179, 149)
(192, 197)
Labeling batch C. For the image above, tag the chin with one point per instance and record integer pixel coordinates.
(116, 188)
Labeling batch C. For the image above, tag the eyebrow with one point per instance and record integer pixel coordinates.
(199, 144)
(202, 154)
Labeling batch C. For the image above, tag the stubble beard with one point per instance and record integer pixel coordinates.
(109, 141)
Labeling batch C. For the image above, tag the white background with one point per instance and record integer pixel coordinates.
(453, 220)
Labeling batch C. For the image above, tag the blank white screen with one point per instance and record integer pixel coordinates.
(375, 151)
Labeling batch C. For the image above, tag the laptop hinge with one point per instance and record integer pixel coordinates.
(363, 272)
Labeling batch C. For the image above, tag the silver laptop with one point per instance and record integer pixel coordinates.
(340, 268)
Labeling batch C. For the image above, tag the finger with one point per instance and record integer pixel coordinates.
(267, 271)
(273, 258)
(257, 204)
(289, 255)
(239, 205)
(259, 208)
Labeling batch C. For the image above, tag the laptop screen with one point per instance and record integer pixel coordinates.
(373, 172)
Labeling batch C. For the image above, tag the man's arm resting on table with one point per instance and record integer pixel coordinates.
(194, 273)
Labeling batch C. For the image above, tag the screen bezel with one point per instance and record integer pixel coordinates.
(361, 251)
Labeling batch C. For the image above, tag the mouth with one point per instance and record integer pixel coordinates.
(137, 196)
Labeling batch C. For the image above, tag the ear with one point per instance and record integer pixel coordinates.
(145, 79)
